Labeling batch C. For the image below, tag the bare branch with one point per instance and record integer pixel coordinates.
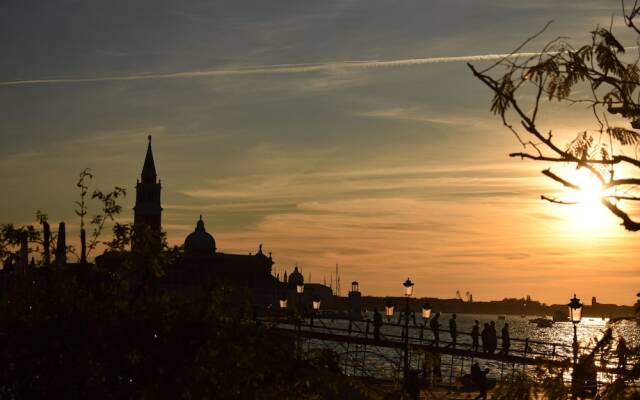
(517, 49)
(621, 182)
(556, 201)
(630, 198)
(539, 158)
(616, 159)
(627, 222)
(563, 181)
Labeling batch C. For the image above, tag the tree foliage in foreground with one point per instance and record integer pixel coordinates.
(602, 75)
(112, 331)
(88, 333)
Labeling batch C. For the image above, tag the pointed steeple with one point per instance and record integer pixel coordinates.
(148, 210)
(149, 168)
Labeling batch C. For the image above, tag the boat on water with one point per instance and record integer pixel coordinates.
(542, 322)
(501, 318)
(545, 323)
(560, 316)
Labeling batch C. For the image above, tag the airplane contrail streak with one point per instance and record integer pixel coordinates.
(274, 69)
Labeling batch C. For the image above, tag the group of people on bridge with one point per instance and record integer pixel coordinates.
(487, 338)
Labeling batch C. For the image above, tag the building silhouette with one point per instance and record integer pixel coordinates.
(148, 210)
(199, 261)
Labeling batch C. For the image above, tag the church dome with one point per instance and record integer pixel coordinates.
(296, 277)
(199, 242)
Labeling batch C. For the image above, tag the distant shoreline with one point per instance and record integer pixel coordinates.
(502, 307)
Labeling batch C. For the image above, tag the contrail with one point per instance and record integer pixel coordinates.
(274, 69)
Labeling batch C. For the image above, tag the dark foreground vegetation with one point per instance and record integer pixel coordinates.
(79, 332)
(84, 331)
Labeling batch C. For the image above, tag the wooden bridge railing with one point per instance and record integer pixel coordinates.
(422, 335)
(522, 351)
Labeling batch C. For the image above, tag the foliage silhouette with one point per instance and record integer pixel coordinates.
(598, 76)
(595, 75)
(113, 329)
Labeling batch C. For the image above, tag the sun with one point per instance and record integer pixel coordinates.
(591, 191)
(588, 210)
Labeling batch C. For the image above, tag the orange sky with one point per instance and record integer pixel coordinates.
(388, 169)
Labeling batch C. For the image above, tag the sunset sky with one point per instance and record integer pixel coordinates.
(388, 169)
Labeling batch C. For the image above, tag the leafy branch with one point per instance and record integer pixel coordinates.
(596, 75)
(109, 209)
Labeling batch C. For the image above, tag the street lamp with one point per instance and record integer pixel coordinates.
(408, 288)
(283, 302)
(388, 309)
(299, 290)
(316, 303)
(408, 291)
(316, 306)
(575, 315)
(426, 311)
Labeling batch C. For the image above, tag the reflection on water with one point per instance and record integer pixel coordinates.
(559, 338)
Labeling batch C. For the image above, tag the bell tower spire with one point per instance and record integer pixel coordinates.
(148, 210)
(149, 168)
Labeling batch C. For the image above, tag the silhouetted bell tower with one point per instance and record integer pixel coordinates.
(147, 210)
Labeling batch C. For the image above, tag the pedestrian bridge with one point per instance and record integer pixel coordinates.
(360, 354)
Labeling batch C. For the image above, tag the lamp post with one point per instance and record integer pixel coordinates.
(426, 311)
(316, 307)
(575, 315)
(388, 309)
(426, 314)
(316, 303)
(300, 290)
(408, 291)
(284, 302)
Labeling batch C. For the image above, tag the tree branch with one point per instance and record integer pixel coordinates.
(628, 223)
(616, 159)
(556, 201)
(564, 182)
(620, 182)
(630, 198)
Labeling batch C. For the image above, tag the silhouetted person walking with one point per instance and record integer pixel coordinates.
(453, 331)
(506, 340)
(434, 324)
(621, 352)
(377, 324)
(485, 338)
(479, 379)
(475, 333)
(493, 337)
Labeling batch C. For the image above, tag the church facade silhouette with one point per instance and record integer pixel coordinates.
(199, 260)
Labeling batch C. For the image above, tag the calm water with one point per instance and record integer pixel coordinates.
(561, 333)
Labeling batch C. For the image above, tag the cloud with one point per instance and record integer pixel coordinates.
(276, 69)
(417, 114)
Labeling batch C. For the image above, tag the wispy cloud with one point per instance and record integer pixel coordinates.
(275, 69)
(417, 114)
